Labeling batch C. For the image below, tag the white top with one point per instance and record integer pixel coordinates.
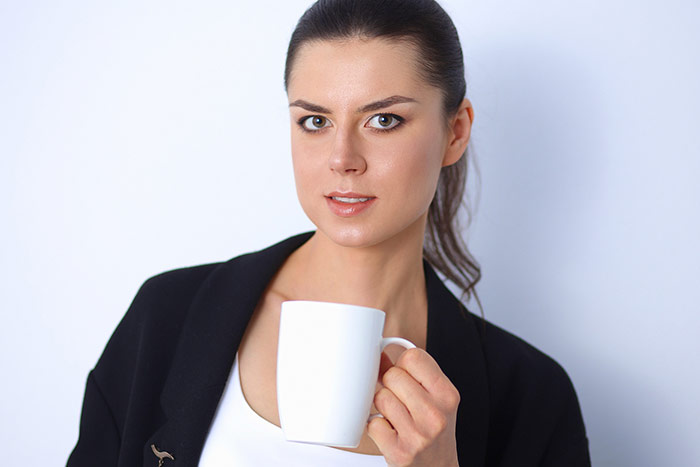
(240, 437)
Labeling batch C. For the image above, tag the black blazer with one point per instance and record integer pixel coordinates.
(163, 371)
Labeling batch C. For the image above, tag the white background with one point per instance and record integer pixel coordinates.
(137, 137)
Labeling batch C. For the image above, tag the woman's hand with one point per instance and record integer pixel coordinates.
(419, 405)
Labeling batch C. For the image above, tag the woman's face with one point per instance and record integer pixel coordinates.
(369, 138)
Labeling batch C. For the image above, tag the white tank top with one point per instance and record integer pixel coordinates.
(240, 437)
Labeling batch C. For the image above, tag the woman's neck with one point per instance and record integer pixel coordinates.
(388, 276)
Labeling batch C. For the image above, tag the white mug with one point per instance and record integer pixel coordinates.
(327, 368)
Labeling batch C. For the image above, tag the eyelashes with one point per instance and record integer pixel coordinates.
(386, 122)
(381, 123)
(313, 123)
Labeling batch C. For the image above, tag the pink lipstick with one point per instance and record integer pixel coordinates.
(348, 204)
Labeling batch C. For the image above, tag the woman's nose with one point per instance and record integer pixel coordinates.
(346, 157)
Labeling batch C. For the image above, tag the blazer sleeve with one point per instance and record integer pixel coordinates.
(108, 388)
(121, 403)
(95, 446)
(536, 419)
(568, 443)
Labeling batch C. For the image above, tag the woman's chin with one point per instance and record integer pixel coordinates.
(350, 236)
(369, 233)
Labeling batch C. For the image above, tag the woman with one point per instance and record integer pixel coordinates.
(380, 126)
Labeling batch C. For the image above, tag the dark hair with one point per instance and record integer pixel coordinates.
(424, 24)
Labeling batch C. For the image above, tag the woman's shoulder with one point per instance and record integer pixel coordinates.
(179, 280)
(166, 296)
(530, 391)
(182, 280)
(509, 356)
(158, 308)
(516, 368)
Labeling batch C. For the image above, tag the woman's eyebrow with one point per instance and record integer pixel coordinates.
(309, 106)
(389, 101)
(380, 104)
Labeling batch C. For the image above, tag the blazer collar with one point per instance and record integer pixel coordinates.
(455, 343)
(214, 327)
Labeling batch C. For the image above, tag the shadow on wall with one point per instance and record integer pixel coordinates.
(543, 145)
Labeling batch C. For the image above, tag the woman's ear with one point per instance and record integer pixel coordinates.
(459, 133)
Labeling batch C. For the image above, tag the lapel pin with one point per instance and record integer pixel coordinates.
(161, 455)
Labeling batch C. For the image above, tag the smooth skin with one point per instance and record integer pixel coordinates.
(364, 121)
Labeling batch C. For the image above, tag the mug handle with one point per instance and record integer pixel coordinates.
(396, 340)
(386, 341)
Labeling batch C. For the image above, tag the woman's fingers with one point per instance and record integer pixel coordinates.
(424, 369)
(408, 392)
(422, 390)
(394, 411)
(382, 433)
(420, 405)
(384, 364)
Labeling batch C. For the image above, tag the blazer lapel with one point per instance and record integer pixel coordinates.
(453, 341)
(212, 332)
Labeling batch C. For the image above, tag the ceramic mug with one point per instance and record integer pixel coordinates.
(327, 368)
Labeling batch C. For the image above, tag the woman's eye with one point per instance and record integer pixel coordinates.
(315, 122)
(384, 121)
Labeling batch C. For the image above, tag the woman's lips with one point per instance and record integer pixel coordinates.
(348, 204)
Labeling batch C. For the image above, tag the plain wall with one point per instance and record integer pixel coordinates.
(137, 137)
